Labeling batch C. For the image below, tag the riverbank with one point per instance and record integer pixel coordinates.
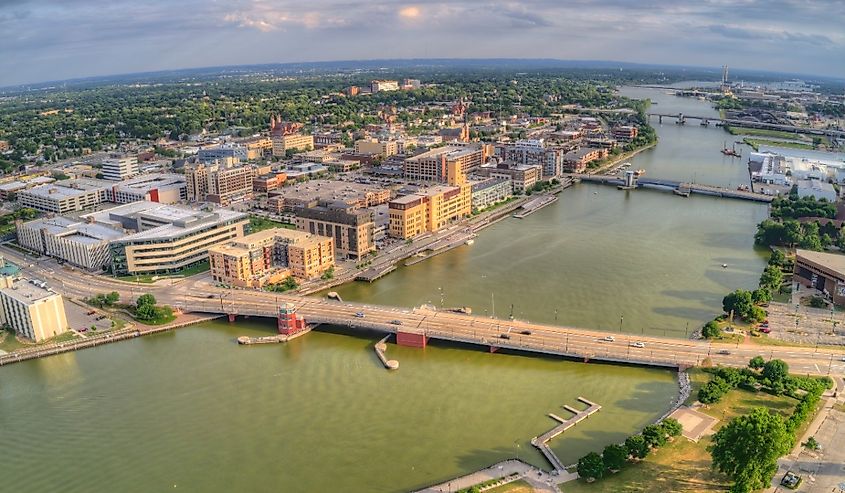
(614, 160)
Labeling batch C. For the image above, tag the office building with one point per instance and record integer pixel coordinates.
(32, 309)
(270, 256)
(521, 176)
(350, 194)
(81, 243)
(269, 182)
(165, 188)
(65, 196)
(822, 271)
(352, 229)
(117, 168)
(432, 165)
(378, 148)
(384, 86)
(293, 142)
(166, 238)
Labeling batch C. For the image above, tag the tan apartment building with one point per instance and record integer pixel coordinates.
(433, 208)
(219, 183)
(270, 256)
(284, 143)
(431, 165)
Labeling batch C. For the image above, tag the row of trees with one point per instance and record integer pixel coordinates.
(773, 375)
(594, 466)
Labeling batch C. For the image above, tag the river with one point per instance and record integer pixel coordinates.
(192, 411)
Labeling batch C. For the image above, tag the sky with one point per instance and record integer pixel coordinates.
(43, 40)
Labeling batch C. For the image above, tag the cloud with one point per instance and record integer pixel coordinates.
(55, 39)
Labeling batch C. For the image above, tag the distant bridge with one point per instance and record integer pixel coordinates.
(750, 124)
(682, 188)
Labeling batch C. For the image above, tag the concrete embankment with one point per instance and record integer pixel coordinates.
(381, 349)
(98, 340)
(274, 339)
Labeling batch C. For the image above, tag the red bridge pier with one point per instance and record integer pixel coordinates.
(288, 321)
(411, 338)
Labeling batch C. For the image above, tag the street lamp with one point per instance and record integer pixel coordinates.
(621, 318)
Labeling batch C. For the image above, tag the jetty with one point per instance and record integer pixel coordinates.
(375, 273)
(542, 441)
(535, 205)
(275, 339)
(381, 349)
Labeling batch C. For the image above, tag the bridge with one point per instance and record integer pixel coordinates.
(681, 117)
(682, 188)
(417, 326)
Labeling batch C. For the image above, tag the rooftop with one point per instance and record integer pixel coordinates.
(833, 261)
(26, 291)
(69, 188)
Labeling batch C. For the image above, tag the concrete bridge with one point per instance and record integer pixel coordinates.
(682, 188)
(750, 124)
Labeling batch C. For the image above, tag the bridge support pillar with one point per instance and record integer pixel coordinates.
(493, 349)
(411, 338)
(232, 317)
(288, 322)
(660, 119)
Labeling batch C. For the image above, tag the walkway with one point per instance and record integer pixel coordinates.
(541, 442)
(541, 481)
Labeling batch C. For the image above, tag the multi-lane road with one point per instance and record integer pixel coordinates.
(198, 294)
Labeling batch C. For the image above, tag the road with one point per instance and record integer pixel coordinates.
(199, 294)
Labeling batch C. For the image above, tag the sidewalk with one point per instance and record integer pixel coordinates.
(541, 481)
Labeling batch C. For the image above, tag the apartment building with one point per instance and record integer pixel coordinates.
(432, 165)
(117, 167)
(534, 152)
(625, 132)
(352, 229)
(432, 208)
(577, 161)
(490, 191)
(521, 176)
(166, 238)
(221, 184)
(270, 256)
(32, 309)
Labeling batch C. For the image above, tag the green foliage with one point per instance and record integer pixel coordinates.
(757, 363)
(791, 207)
(817, 301)
(748, 447)
(672, 427)
(775, 371)
(614, 456)
(761, 295)
(711, 330)
(145, 300)
(591, 466)
(104, 300)
(811, 444)
(778, 258)
(287, 285)
(714, 390)
(329, 274)
(772, 278)
(654, 435)
(637, 446)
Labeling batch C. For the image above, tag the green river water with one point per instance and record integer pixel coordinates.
(192, 411)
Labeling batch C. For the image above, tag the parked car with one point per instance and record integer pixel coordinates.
(638, 344)
(725, 352)
(765, 330)
(359, 314)
(396, 322)
(504, 336)
(608, 339)
(525, 332)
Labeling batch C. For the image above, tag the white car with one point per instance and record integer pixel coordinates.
(609, 339)
(638, 344)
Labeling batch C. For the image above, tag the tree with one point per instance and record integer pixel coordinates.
(756, 314)
(146, 299)
(654, 436)
(112, 297)
(739, 302)
(761, 295)
(748, 447)
(614, 457)
(636, 446)
(711, 330)
(672, 427)
(775, 371)
(778, 258)
(146, 312)
(591, 467)
(757, 363)
(791, 232)
(771, 278)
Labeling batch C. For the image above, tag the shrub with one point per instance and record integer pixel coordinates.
(636, 446)
(591, 467)
(672, 427)
(614, 456)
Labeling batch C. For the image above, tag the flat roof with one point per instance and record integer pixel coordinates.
(832, 261)
(451, 151)
(26, 292)
(69, 188)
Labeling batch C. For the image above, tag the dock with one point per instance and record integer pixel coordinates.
(276, 339)
(381, 349)
(375, 273)
(542, 441)
(535, 205)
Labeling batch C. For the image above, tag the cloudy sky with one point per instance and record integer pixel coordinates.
(52, 40)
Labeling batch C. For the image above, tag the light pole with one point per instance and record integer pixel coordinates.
(621, 318)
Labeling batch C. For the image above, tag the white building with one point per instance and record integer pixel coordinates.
(491, 191)
(84, 244)
(816, 188)
(772, 168)
(32, 309)
(164, 188)
(117, 168)
(65, 196)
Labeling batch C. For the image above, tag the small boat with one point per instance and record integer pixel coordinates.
(470, 242)
(724, 266)
(639, 172)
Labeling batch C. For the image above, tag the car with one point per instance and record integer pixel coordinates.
(504, 336)
(724, 351)
(359, 314)
(525, 332)
(83, 329)
(765, 330)
(638, 344)
(608, 339)
(843, 359)
(210, 296)
(396, 322)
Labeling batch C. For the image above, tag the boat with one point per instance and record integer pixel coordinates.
(639, 172)
(470, 242)
(730, 152)
(724, 266)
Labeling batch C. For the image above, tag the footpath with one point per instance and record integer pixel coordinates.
(513, 469)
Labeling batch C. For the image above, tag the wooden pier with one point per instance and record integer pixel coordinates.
(541, 442)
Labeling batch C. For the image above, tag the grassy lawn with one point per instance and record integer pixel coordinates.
(756, 143)
(9, 343)
(151, 278)
(684, 466)
(257, 224)
(515, 487)
(759, 132)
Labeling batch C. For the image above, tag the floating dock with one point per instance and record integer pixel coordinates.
(542, 441)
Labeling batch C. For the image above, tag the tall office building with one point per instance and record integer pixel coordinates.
(31, 308)
(117, 168)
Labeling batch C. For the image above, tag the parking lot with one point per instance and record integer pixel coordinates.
(806, 325)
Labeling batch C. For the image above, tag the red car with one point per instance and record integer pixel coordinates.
(765, 330)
